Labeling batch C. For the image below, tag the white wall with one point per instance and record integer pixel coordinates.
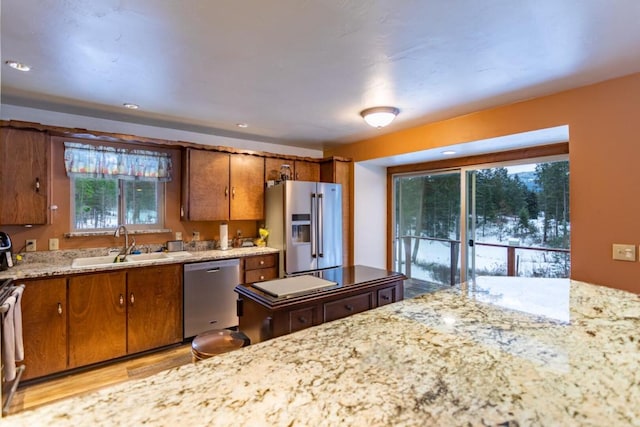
(53, 118)
(370, 215)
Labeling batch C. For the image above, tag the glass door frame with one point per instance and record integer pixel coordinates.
(467, 201)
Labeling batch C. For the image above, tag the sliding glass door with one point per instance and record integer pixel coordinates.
(496, 220)
(427, 226)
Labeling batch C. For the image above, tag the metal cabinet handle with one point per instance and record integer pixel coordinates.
(261, 277)
(226, 191)
(132, 298)
(349, 307)
(121, 300)
(261, 262)
(233, 192)
(302, 319)
(37, 185)
(385, 297)
(60, 309)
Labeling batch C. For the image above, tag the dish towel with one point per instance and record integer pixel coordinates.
(9, 341)
(17, 323)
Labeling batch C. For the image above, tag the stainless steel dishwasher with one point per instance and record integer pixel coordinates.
(209, 298)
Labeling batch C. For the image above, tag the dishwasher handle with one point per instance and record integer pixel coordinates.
(213, 270)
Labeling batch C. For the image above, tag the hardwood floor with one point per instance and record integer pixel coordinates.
(37, 394)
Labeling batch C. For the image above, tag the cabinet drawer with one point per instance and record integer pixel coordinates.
(347, 306)
(386, 296)
(253, 276)
(300, 319)
(262, 261)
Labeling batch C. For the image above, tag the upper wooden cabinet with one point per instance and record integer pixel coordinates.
(247, 188)
(220, 186)
(24, 176)
(301, 170)
(306, 171)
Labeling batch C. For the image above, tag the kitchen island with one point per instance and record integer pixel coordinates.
(504, 351)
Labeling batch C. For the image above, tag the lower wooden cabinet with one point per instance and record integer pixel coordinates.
(154, 312)
(262, 317)
(44, 326)
(259, 268)
(80, 320)
(97, 318)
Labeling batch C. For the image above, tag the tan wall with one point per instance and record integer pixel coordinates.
(604, 151)
(61, 218)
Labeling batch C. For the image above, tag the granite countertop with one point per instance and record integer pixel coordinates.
(58, 263)
(471, 355)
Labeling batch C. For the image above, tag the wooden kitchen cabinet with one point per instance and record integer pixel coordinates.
(44, 326)
(259, 268)
(97, 317)
(306, 171)
(220, 186)
(154, 312)
(247, 188)
(24, 176)
(360, 288)
(205, 181)
(272, 167)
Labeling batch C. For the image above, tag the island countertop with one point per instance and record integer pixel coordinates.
(504, 351)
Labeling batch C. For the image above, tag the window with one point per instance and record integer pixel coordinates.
(112, 186)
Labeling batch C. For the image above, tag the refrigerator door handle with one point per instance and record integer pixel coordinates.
(314, 213)
(320, 233)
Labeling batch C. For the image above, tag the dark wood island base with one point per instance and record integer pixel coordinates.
(359, 288)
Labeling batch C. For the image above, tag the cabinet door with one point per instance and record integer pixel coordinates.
(272, 168)
(44, 327)
(154, 314)
(97, 318)
(247, 187)
(307, 171)
(24, 176)
(207, 185)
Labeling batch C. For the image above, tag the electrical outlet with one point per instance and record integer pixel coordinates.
(196, 235)
(31, 245)
(178, 235)
(624, 252)
(54, 244)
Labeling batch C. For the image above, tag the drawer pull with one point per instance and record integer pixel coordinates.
(385, 297)
(60, 309)
(302, 319)
(349, 307)
(261, 262)
(261, 277)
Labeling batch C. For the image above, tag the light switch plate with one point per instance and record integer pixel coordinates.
(178, 235)
(54, 244)
(624, 252)
(196, 235)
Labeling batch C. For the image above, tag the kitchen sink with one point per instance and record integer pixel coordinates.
(107, 260)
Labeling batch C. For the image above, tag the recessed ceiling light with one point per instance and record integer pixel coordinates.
(18, 65)
(242, 125)
(131, 106)
(448, 152)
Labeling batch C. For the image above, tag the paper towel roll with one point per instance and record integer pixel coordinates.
(224, 236)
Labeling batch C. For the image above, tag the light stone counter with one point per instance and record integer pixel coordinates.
(456, 357)
(58, 263)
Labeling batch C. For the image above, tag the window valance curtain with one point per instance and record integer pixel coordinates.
(89, 161)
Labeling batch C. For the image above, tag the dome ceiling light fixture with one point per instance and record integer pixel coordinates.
(379, 117)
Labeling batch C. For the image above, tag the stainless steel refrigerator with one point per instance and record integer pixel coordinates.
(304, 220)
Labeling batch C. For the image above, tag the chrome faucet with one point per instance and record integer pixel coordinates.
(125, 251)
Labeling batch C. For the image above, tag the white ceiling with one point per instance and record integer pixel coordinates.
(299, 72)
